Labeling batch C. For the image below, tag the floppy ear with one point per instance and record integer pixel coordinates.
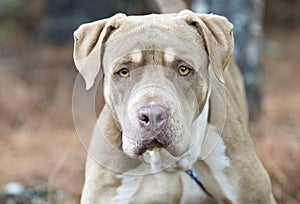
(217, 34)
(88, 41)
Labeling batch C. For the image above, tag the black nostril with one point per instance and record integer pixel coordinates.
(144, 118)
(153, 117)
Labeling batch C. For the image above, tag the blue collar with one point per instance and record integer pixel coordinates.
(196, 179)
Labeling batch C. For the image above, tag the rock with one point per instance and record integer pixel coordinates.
(13, 188)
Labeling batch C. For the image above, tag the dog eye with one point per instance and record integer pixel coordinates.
(183, 70)
(124, 72)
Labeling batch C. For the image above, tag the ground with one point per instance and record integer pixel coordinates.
(277, 135)
(39, 145)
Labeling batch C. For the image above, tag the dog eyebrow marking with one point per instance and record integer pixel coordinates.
(168, 56)
(136, 56)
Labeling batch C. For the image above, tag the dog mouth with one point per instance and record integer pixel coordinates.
(154, 142)
(149, 145)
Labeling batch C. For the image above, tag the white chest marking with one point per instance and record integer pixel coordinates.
(218, 162)
(129, 186)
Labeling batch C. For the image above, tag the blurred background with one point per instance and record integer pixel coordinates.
(42, 160)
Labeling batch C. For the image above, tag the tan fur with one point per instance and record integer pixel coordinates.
(150, 46)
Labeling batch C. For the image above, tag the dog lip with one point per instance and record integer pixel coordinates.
(155, 143)
(149, 144)
(139, 151)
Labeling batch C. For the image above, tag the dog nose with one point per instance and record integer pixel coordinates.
(153, 117)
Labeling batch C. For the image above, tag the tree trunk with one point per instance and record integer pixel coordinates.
(247, 18)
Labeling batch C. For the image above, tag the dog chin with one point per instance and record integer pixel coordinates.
(137, 151)
(175, 151)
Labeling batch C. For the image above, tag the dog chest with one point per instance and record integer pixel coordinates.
(163, 187)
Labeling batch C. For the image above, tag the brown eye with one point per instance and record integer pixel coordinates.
(123, 72)
(183, 70)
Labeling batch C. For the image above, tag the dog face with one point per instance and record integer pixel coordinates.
(155, 88)
(155, 72)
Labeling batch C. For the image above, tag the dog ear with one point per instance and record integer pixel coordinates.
(217, 33)
(88, 41)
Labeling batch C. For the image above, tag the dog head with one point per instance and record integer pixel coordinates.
(155, 73)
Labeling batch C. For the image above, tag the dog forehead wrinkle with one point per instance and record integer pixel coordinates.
(134, 35)
(152, 57)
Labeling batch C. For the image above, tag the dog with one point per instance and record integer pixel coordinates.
(174, 124)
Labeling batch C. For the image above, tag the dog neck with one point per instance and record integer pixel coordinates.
(197, 133)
